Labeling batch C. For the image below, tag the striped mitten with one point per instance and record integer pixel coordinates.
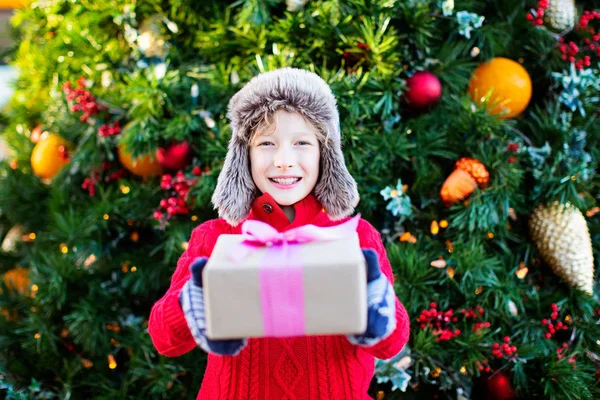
(381, 303)
(191, 299)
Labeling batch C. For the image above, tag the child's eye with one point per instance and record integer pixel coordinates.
(303, 143)
(265, 143)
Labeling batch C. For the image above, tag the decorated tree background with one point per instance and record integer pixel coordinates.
(470, 126)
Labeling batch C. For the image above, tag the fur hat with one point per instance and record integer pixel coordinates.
(293, 90)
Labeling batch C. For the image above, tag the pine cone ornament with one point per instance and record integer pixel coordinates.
(561, 14)
(295, 5)
(467, 175)
(563, 240)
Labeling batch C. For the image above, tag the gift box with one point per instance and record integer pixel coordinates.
(307, 281)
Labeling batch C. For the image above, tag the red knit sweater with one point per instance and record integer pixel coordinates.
(312, 367)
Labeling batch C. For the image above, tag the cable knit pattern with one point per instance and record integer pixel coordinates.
(311, 368)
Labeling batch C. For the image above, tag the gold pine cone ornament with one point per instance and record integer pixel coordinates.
(561, 14)
(561, 235)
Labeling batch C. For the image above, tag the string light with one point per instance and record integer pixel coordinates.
(463, 370)
(475, 51)
(435, 372)
(490, 235)
(125, 189)
(106, 217)
(112, 364)
(64, 333)
(125, 268)
(568, 319)
(435, 229)
(443, 224)
(32, 236)
(133, 269)
(522, 271)
(86, 363)
(449, 246)
(89, 261)
(63, 248)
(34, 288)
(114, 342)
(440, 263)
(37, 336)
(394, 194)
(184, 245)
(450, 272)
(194, 218)
(134, 236)
(408, 237)
(479, 290)
(114, 328)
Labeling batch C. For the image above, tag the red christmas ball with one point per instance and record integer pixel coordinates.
(175, 156)
(423, 90)
(499, 387)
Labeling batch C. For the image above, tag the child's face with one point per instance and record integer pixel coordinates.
(288, 149)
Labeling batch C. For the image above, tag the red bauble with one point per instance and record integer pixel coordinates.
(499, 387)
(174, 157)
(423, 90)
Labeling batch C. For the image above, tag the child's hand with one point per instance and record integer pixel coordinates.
(191, 299)
(381, 303)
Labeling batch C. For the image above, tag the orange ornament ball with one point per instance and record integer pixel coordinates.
(144, 166)
(509, 83)
(17, 279)
(48, 156)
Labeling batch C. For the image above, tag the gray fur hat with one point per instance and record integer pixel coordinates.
(293, 90)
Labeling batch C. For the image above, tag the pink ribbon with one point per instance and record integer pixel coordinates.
(281, 273)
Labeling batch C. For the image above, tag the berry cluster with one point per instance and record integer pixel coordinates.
(440, 322)
(474, 315)
(109, 130)
(553, 328)
(483, 367)
(513, 148)
(537, 16)
(504, 349)
(569, 52)
(177, 202)
(560, 353)
(572, 52)
(90, 183)
(84, 100)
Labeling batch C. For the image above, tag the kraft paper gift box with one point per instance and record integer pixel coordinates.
(277, 287)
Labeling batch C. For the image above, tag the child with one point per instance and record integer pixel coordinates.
(284, 166)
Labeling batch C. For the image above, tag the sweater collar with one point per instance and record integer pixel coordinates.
(264, 208)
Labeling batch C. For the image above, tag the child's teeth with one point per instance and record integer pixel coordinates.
(287, 181)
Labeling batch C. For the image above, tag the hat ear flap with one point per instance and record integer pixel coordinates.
(235, 189)
(336, 189)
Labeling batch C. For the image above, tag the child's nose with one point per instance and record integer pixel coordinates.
(284, 158)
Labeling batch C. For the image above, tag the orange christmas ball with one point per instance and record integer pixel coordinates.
(48, 156)
(509, 83)
(144, 166)
(467, 175)
(17, 279)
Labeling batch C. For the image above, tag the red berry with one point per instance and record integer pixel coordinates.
(433, 305)
(544, 321)
(529, 17)
(548, 336)
(158, 215)
(495, 346)
(487, 369)
(506, 339)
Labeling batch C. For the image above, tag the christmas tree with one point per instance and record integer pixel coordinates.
(470, 126)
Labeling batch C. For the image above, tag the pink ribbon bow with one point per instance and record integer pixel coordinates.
(281, 273)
